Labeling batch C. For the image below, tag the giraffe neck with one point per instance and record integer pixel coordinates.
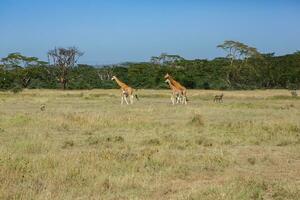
(175, 83)
(171, 86)
(120, 83)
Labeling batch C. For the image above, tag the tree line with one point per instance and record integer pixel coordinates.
(243, 67)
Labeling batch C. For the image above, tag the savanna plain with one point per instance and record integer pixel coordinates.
(85, 145)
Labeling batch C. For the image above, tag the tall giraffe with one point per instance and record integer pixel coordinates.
(176, 93)
(126, 91)
(179, 87)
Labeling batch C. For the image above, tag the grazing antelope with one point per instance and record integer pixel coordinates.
(43, 107)
(178, 86)
(294, 93)
(219, 98)
(126, 91)
(176, 96)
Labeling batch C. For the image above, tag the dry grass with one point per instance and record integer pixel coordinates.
(85, 145)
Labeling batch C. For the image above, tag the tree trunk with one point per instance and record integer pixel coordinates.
(228, 79)
(63, 82)
(25, 82)
(64, 85)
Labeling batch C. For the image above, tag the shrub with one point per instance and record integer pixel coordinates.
(154, 141)
(68, 143)
(251, 160)
(17, 89)
(197, 120)
(206, 85)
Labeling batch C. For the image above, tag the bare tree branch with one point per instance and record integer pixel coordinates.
(64, 59)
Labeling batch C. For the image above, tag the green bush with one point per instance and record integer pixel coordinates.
(17, 89)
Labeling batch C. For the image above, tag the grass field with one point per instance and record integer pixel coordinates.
(85, 145)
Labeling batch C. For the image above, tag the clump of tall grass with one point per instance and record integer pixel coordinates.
(251, 160)
(94, 140)
(16, 89)
(154, 142)
(197, 120)
(204, 141)
(68, 143)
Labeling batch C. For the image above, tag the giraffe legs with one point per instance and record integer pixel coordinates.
(131, 99)
(173, 99)
(184, 100)
(178, 98)
(124, 98)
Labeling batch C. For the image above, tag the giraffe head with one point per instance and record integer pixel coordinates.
(113, 78)
(167, 76)
(167, 81)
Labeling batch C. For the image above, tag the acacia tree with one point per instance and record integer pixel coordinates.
(15, 60)
(20, 63)
(64, 59)
(237, 51)
(165, 58)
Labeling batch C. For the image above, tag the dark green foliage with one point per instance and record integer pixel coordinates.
(17, 89)
(266, 71)
(206, 85)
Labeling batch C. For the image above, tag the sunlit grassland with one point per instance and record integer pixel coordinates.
(85, 145)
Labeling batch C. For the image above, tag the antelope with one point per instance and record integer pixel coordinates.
(219, 98)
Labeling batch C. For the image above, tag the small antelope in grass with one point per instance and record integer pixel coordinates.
(43, 107)
(126, 91)
(219, 98)
(294, 93)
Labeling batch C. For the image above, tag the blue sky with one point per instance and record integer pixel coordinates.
(113, 31)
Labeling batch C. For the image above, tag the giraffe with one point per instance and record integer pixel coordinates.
(126, 91)
(176, 93)
(179, 87)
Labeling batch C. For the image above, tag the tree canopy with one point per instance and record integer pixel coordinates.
(243, 67)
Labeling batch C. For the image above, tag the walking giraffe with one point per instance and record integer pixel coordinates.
(179, 87)
(176, 93)
(126, 91)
